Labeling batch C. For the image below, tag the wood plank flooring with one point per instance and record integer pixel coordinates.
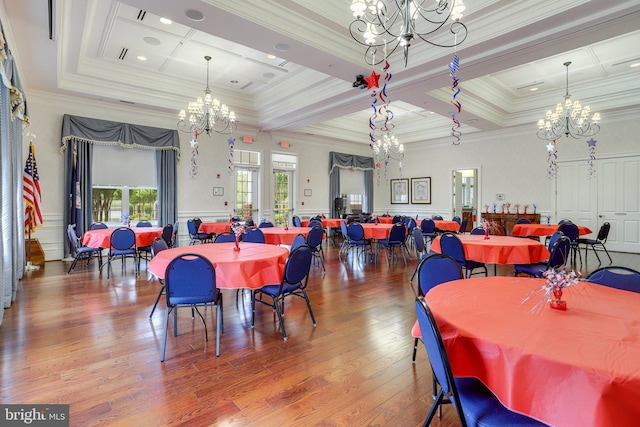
(85, 340)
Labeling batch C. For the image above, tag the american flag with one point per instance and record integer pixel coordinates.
(31, 193)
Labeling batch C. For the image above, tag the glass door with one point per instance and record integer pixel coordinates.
(283, 203)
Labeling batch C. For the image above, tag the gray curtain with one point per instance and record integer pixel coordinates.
(350, 161)
(13, 114)
(78, 135)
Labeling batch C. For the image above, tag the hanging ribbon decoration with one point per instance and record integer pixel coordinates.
(231, 142)
(592, 156)
(454, 67)
(552, 160)
(194, 154)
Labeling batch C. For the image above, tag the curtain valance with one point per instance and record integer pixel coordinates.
(96, 131)
(350, 161)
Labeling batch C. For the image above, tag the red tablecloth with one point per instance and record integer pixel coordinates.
(446, 225)
(253, 266)
(539, 230)
(499, 249)
(101, 238)
(280, 236)
(385, 219)
(215, 227)
(579, 367)
(376, 231)
(326, 222)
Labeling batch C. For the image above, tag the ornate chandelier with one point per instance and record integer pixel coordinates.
(570, 119)
(387, 147)
(207, 115)
(397, 22)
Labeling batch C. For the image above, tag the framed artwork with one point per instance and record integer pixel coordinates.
(399, 191)
(218, 191)
(421, 190)
(307, 192)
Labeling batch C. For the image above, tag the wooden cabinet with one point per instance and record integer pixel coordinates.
(507, 221)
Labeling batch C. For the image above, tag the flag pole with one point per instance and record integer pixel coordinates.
(30, 266)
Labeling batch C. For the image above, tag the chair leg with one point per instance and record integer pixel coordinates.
(415, 350)
(280, 312)
(75, 261)
(306, 298)
(219, 323)
(166, 330)
(157, 300)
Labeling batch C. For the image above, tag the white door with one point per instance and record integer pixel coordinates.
(612, 195)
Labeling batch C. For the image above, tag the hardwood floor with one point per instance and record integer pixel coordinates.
(85, 340)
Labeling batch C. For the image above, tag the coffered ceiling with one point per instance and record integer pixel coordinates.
(305, 86)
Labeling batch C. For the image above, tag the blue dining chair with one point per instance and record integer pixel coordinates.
(253, 235)
(80, 251)
(396, 239)
(190, 281)
(293, 283)
(158, 245)
(450, 244)
(314, 240)
(617, 277)
(474, 403)
(123, 246)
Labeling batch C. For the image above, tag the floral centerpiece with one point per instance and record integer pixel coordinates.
(486, 225)
(375, 219)
(238, 229)
(554, 285)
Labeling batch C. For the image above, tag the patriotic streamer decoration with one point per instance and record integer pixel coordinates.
(454, 67)
(552, 160)
(194, 155)
(231, 142)
(380, 111)
(592, 156)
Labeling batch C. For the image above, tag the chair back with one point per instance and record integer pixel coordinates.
(396, 234)
(343, 229)
(296, 221)
(478, 231)
(436, 351)
(410, 223)
(73, 237)
(554, 238)
(190, 279)
(570, 230)
(603, 233)
(456, 219)
(355, 231)
(315, 223)
(314, 238)
(265, 224)
(298, 241)
(559, 252)
(192, 228)
(144, 224)
(225, 237)
(98, 226)
(437, 217)
(174, 242)
(396, 218)
(436, 269)
(617, 277)
(296, 270)
(418, 240)
(123, 238)
(523, 221)
(253, 235)
(158, 245)
(565, 221)
(463, 226)
(167, 234)
(451, 245)
(428, 226)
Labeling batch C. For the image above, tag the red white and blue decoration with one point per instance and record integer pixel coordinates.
(454, 67)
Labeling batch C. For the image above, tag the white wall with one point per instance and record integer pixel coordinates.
(510, 161)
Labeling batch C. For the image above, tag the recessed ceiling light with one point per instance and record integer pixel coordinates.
(165, 21)
(271, 56)
(152, 41)
(194, 15)
(282, 47)
(533, 89)
(141, 58)
(635, 64)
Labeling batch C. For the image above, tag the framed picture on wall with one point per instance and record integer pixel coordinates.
(399, 191)
(421, 190)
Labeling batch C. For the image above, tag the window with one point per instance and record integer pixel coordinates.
(124, 183)
(247, 165)
(354, 203)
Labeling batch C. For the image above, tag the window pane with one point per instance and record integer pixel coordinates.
(143, 204)
(281, 209)
(106, 204)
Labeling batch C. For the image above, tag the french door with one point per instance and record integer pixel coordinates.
(282, 199)
(612, 195)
